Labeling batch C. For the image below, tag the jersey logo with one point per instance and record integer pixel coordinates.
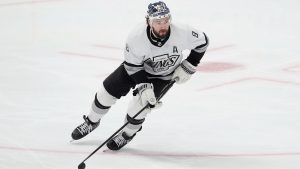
(162, 62)
(195, 34)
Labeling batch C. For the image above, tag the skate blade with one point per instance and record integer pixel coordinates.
(106, 150)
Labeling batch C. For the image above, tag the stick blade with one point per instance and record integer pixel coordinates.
(81, 166)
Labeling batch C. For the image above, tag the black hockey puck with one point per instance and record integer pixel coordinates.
(81, 166)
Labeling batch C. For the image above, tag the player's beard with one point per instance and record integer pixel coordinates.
(161, 34)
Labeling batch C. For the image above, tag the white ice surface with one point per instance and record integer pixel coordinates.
(241, 110)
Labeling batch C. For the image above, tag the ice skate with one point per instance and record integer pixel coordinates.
(119, 141)
(84, 129)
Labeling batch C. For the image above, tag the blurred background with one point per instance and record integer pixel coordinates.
(240, 110)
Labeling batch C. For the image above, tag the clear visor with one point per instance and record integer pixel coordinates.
(165, 19)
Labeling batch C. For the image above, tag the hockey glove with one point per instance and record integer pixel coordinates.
(183, 72)
(146, 92)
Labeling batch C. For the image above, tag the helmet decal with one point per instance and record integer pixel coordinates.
(158, 10)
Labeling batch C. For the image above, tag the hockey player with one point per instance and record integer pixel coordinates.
(153, 57)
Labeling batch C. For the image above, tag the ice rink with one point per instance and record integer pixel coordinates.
(241, 110)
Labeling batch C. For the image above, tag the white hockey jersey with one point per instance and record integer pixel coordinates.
(160, 62)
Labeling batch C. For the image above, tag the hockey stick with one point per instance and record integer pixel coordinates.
(164, 91)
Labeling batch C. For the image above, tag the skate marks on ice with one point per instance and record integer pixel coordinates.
(293, 69)
(91, 142)
(212, 67)
(246, 79)
(127, 151)
(150, 153)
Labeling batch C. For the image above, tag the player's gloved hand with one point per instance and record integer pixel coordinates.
(183, 72)
(146, 92)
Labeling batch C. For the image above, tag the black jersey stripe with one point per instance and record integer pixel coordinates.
(133, 65)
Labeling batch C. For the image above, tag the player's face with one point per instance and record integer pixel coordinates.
(160, 27)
